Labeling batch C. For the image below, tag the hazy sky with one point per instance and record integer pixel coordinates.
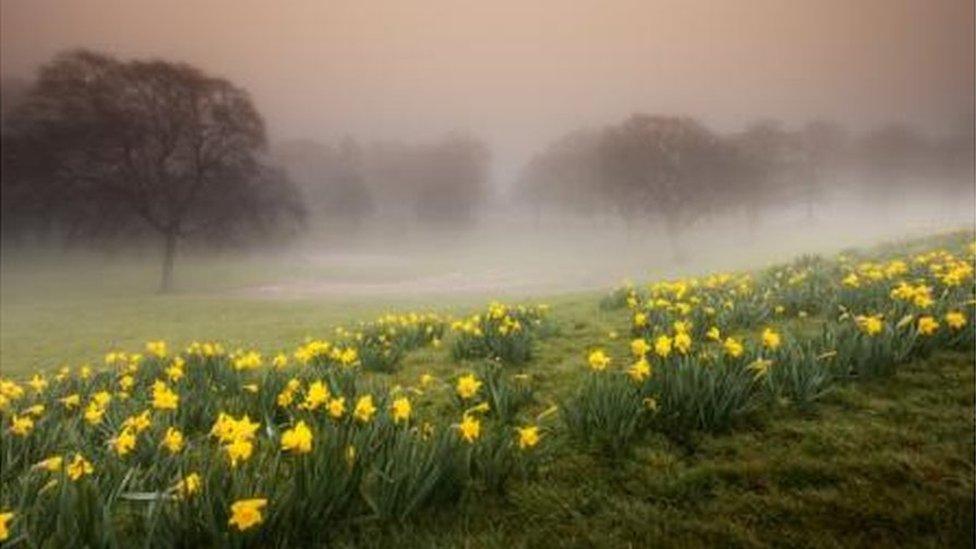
(519, 73)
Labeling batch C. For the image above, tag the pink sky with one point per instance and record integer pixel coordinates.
(520, 73)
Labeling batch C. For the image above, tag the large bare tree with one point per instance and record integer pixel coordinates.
(148, 144)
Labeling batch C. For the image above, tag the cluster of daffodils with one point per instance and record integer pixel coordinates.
(221, 441)
(706, 352)
(503, 333)
(376, 346)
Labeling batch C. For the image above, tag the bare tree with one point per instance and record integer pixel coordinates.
(150, 144)
(669, 167)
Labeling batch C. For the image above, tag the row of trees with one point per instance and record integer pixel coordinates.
(437, 184)
(675, 170)
(102, 149)
(107, 151)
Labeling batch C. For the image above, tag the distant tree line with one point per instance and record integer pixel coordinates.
(675, 170)
(438, 184)
(99, 150)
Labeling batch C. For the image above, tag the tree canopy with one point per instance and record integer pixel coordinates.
(103, 147)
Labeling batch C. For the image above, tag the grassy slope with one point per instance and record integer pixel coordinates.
(881, 463)
(889, 462)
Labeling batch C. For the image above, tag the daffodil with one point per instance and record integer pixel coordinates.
(228, 429)
(94, 413)
(138, 423)
(401, 410)
(955, 319)
(188, 485)
(639, 347)
(126, 382)
(640, 370)
(528, 437)
(173, 440)
(470, 428)
(79, 467)
(337, 407)
(770, 339)
(298, 439)
(246, 513)
(317, 395)
(365, 409)
(124, 443)
(163, 397)
(662, 346)
(38, 383)
(21, 425)
(36, 410)
(156, 348)
(52, 464)
(285, 398)
(11, 389)
(682, 342)
(598, 360)
(348, 356)
(5, 518)
(239, 450)
(468, 386)
(927, 325)
(71, 401)
(102, 398)
(732, 347)
(175, 372)
(871, 325)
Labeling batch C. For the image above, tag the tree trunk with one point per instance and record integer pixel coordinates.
(169, 254)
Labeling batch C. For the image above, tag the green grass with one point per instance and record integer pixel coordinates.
(72, 310)
(880, 463)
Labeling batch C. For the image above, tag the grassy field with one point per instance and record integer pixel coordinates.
(884, 462)
(879, 465)
(56, 310)
(65, 308)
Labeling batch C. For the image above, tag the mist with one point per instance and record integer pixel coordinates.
(468, 148)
